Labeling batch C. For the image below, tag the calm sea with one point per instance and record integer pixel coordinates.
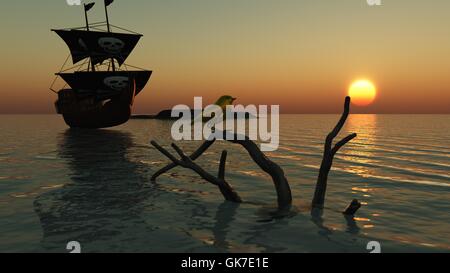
(59, 185)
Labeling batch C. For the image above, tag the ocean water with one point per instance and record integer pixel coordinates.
(59, 185)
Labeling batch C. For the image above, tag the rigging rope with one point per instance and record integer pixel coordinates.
(124, 29)
(60, 70)
(132, 66)
(102, 24)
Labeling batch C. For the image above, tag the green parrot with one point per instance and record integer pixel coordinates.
(222, 102)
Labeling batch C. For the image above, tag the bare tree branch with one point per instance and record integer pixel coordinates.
(328, 157)
(175, 161)
(343, 119)
(223, 162)
(186, 162)
(203, 148)
(181, 153)
(343, 142)
(284, 195)
(354, 206)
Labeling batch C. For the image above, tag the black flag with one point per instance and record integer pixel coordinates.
(108, 2)
(89, 6)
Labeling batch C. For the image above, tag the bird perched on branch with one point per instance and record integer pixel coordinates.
(222, 102)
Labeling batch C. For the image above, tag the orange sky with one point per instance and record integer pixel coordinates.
(302, 55)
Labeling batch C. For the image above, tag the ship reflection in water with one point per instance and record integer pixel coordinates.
(110, 205)
(105, 189)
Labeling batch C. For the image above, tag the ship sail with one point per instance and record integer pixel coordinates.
(99, 46)
(105, 84)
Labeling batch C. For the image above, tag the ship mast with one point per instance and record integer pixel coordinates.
(86, 16)
(107, 17)
(87, 7)
(107, 3)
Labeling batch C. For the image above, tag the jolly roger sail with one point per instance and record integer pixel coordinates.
(98, 46)
(102, 88)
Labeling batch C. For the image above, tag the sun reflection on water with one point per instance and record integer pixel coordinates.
(362, 157)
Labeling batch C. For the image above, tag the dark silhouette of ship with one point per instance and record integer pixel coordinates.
(101, 88)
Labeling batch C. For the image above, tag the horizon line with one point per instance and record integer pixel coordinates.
(337, 113)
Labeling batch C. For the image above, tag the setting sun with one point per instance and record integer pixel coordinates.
(362, 92)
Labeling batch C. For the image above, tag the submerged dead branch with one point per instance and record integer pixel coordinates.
(205, 146)
(328, 157)
(284, 195)
(274, 170)
(186, 162)
(354, 206)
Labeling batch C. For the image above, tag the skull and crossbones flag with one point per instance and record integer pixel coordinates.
(99, 46)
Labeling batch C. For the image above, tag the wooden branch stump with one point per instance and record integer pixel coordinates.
(354, 206)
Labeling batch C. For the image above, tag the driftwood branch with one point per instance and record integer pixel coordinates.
(328, 157)
(284, 195)
(175, 161)
(205, 146)
(223, 162)
(354, 206)
(186, 162)
(341, 143)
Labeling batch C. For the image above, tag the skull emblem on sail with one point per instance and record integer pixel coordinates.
(111, 45)
(117, 83)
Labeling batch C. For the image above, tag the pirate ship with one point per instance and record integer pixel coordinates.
(99, 90)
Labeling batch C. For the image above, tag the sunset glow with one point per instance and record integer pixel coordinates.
(362, 92)
(301, 55)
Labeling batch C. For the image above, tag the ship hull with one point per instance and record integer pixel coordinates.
(107, 114)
